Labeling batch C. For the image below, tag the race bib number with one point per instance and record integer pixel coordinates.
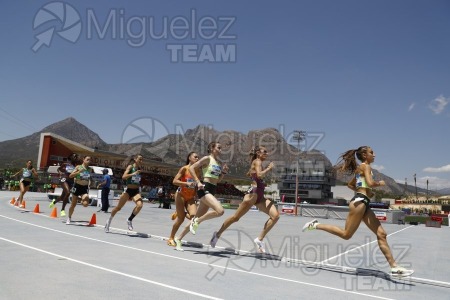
(190, 180)
(85, 175)
(69, 169)
(216, 170)
(136, 178)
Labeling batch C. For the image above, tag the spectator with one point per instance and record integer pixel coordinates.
(105, 185)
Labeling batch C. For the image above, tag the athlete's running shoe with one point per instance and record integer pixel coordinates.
(171, 242)
(214, 240)
(401, 272)
(63, 213)
(193, 226)
(108, 222)
(310, 225)
(130, 225)
(51, 204)
(260, 245)
(178, 247)
(68, 221)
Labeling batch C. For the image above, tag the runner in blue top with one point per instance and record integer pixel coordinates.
(28, 173)
(362, 183)
(132, 176)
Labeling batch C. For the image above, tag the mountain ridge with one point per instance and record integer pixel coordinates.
(174, 148)
(14, 153)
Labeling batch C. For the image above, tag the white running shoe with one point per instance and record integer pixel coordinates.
(108, 222)
(178, 246)
(214, 240)
(260, 245)
(310, 225)
(193, 226)
(130, 225)
(68, 221)
(401, 272)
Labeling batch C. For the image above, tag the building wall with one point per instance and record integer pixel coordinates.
(315, 182)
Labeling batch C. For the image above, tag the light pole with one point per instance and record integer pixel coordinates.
(299, 136)
(427, 190)
(415, 185)
(406, 185)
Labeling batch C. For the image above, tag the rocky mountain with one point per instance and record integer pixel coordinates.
(236, 147)
(75, 131)
(14, 153)
(411, 191)
(174, 148)
(444, 191)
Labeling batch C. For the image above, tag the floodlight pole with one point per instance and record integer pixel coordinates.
(415, 184)
(299, 136)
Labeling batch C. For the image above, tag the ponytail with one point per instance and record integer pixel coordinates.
(347, 162)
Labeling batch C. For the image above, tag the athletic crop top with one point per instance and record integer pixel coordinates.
(85, 173)
(361, 181)
(26, 173)
(135, 179)
(213, 170)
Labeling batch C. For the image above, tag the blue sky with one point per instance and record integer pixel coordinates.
(352, 72)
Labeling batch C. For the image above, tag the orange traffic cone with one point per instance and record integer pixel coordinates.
(54, 213)
(13, 201)
(36, 209)
(23, 205)
(93, 220)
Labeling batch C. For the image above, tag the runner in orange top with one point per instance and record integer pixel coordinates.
(184, 200)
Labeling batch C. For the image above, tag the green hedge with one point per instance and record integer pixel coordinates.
(423, 220)
(418, 219)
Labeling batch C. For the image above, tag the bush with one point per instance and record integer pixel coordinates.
(423, 219)
(417, 219)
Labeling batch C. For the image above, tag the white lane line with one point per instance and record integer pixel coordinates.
(210, 265)
(111, 271)
(356, 248)
(187, 291)
(320, 265)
